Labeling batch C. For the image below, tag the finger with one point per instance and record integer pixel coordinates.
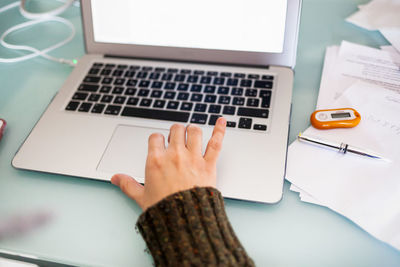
(156, 143)
(194, 138)
(215, 143)
(130, 187)
(177, 135)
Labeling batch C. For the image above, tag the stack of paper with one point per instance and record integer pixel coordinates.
(365, 190)
(382, 15)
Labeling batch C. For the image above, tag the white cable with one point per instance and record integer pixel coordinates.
(37, 18)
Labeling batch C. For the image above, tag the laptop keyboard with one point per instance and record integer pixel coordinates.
(179, 95)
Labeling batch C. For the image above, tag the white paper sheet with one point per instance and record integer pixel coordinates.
(382, 15)
(370, 64)
(366, 191)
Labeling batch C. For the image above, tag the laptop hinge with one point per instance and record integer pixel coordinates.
(189, 61)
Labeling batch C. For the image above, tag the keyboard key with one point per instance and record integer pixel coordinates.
(209, 89)
(229, 110)
(196, 88)
(131, 82)
(166, 77)
(172, 70)
(94, 97)
(231, 124)
(72, 106)
(185, 71)
(156, 93)
(119, 100)
(263, 84)
(98, 108)
(105, 72)
(159, 103)
(180, 78)
(105, 89)
(91, 79)
(106, 98)
(253, 112)
(130, 91)
(107, 80)
(110, 65)
(237, 91)
(219, 81)
(88, 87)
(119, 81)
(214, 109)
(94, 71)
(122, 66)
(239, 75)
(159, 69)
(132, 101)
(213, 119)
(143, 92)
(199, 72)
(251, 92)
(223, 90)
(186, 106)
(238, 101)
(226, 74)
(134, 67)
(80, 96)
(157, 85)
(260, 127)
(245, 123)
(147, 68)
(199, 118)
(172, 105)
(142, 75)
(97, 64)
(196, 97)
(183, 87)
(246, 83)
(205, 80)
(117, 73)
(267, 77)
(85, 107)
(200, 107)
(224, 100)
(253, 102)
(212, 73)
(129, 74)
(112, 110)
(169, 95)
(154, 75)
(146, 102)
(210, 98)
(193, 79)
(170, 86)
(118, 90)
(144, 84)
(156, 114)
(253, 76)
(265, 98)
(183, 96)
(232, 82)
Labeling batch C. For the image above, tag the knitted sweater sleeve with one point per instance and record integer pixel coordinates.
(190, 228)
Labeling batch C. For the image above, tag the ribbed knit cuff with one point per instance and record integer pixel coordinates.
(190, 228)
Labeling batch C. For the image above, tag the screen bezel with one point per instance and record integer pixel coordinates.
(286, 58)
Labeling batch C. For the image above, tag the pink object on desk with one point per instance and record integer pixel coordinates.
(2, 127)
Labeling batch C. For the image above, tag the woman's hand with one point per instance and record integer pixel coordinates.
(178, 167)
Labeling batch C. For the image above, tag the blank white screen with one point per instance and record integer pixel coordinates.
(238, 25)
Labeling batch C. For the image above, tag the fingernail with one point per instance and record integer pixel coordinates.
(222, 121)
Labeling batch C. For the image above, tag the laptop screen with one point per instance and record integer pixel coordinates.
(237, 25)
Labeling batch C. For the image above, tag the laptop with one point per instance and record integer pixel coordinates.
(150, 64)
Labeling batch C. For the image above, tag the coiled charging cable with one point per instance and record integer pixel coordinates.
(36, 18)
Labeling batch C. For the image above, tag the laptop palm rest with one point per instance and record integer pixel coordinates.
(127, 151)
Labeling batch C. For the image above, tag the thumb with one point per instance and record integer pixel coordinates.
(130, 187)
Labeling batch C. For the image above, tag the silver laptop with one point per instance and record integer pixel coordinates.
(150, 64)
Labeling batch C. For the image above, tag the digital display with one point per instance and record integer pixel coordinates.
(340, 115)
(239, 25)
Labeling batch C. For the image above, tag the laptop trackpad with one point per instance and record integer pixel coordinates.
(127, 151)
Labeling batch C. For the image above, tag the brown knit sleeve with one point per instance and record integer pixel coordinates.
(190, 228)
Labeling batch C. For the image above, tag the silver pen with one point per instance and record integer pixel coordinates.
(341, 147)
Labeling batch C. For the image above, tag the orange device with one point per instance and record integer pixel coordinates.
(335, 118)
